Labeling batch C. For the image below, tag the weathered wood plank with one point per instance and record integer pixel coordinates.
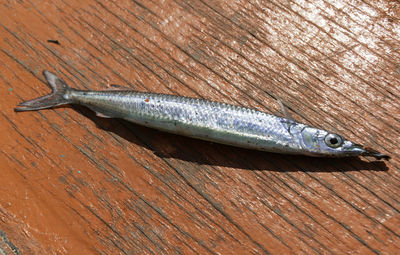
(75, 183)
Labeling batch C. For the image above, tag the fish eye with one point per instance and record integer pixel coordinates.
(333, 140)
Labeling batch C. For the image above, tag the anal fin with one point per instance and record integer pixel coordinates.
(102, 115)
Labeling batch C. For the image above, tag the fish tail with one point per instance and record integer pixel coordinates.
(58, 95)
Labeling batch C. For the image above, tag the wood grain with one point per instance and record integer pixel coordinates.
(73, 183)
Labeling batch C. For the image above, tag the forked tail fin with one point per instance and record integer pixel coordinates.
(56, 97)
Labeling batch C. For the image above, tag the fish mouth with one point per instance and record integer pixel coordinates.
(368, 152)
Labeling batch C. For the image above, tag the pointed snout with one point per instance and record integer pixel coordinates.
(363, 151)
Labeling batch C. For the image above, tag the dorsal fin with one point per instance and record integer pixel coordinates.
(119, 87)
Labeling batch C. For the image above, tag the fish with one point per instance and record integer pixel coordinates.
(204, 119)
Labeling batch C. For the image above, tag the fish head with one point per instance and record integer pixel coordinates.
(319, 142)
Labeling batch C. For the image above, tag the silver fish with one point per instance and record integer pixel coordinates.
(203, 119)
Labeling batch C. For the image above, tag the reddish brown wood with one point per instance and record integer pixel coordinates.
(73, 183)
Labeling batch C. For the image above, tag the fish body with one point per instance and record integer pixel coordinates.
(203, 119)
(198, 118)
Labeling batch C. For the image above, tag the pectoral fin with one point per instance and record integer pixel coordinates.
(283, 109)
(288, 118)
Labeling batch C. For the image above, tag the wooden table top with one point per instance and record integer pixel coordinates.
(74, 183)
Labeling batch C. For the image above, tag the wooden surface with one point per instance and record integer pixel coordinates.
(73, 183)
